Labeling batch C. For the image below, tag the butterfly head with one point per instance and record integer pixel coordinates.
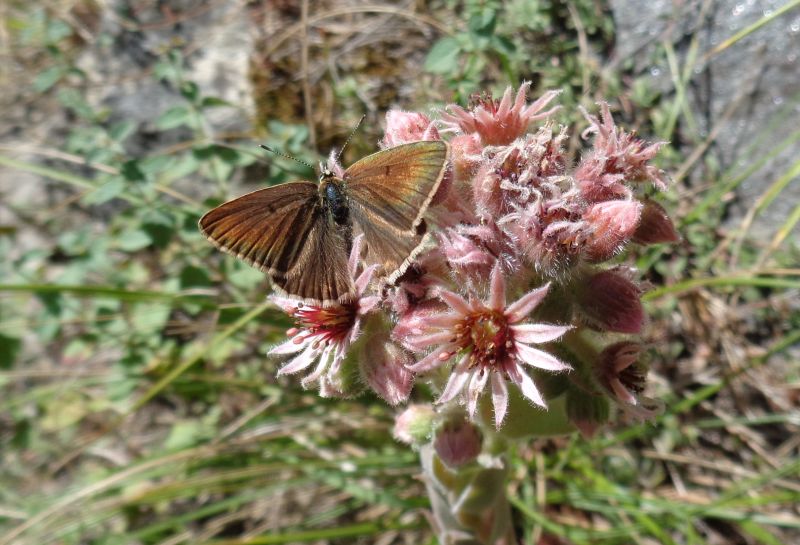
(324, 171)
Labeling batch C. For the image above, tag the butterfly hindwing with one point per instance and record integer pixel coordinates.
(319, 274)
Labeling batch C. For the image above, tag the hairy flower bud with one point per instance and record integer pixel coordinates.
(404, 127)
(457, 442)
(383, 366)
(610, 225)
(611, 302)
(414, 425)
(655, 226)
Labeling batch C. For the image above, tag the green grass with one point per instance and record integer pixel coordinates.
(137, 404)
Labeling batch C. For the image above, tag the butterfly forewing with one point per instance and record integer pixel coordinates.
(284, 231)
(395, 186)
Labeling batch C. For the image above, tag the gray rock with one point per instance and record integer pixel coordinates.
(218, 63)
(749, 92)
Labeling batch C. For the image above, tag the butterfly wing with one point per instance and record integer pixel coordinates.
(388, 194)
(285, 232)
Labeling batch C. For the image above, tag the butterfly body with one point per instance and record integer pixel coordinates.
(334, 197)
(301, 233)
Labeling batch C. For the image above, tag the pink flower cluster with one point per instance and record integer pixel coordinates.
(516, 283)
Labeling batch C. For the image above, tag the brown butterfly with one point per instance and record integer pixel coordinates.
(301, 233)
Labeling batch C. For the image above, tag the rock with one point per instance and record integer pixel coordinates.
(757, 74)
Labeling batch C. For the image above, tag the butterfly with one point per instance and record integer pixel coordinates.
(301, 233)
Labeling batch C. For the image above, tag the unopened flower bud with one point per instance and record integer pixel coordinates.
(383, 366)
(611, 225)
(655, 226)
(414, 425)
(458, 442)
(611, 302)
(404, 127)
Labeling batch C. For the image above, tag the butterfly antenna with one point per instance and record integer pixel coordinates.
(269, 149)
(339, 155)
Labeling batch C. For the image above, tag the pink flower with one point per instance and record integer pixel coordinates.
(323, 334)
(428, 272)
(618, 157)
(403, 127)
(465, 254)
(549, 232)
(489, 343)
(520, 172)
(499, 122)
(466, 155)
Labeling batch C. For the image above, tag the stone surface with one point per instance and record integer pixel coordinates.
(749, 91)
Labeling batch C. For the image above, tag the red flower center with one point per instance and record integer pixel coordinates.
(331, 323)
(487, 336)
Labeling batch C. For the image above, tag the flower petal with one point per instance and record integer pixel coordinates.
(456, 302)
(621, 392)
(499, 398)
(475, 388)
(441, 319)
(355, 254)
(364, 278)
(431, 361)
(288, 347)
(458, 377)
(367, 304)
(300, 362)
(538, 333)
(540, 358)
(497, 291)
(525, 304)
(324, 360)
(529, 390)
(421, 342)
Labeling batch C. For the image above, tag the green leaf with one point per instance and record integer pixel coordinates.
(212, 102)
(155, 164)
(194, 277)
(190, 91)
(150, 318)
(119, 132)
(57, 30)
(132, 171)
(483, 22)
(181, 166)
(174, 117)
(73, 100)
(104, 193)
(134, 240)
(47, 78)
(443, 56)
(9, 350)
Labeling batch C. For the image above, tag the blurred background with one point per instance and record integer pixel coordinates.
(137, 404)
